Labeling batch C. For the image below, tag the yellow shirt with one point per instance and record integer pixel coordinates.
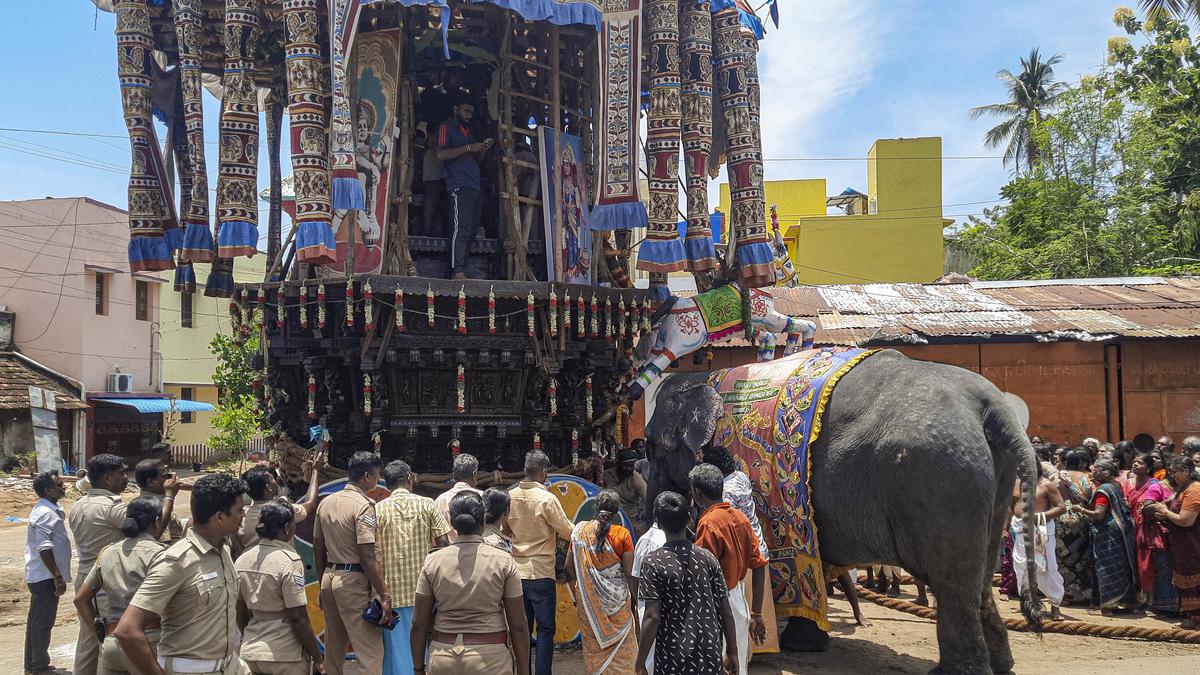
(406, 526)
(345, 519)
(469, 581)
(192, 587)
(270, 578)
(537, 521)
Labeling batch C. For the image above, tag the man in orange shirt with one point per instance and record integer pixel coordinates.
(726, 533)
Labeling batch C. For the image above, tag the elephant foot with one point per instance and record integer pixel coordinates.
(802, 635)
(960, 669)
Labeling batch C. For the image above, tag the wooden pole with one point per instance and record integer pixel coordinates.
(275, 215)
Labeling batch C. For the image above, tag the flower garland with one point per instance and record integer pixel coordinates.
(622, 318)
(574, 447)
(567, 313)
(399, 302)
(312, 397)
(622, 415)
(304, 309)
(321, 305)
(580, 317)
(595, 332)
(261, 300)
(588, 399)
(366, 390)
(429, 306)
(460, 385)
(646, 315)
(553, 313)
(529, 314)
(455, 447)
(608, 318)
(377, 441)
(537, 441)
(280, 311)
(635, 319)
(462, 310)
(552, 392)
(349, 304)
(492, 310)
(368, 307)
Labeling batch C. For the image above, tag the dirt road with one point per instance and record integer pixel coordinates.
(894, 642)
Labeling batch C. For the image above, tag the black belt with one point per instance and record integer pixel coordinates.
(344, 567)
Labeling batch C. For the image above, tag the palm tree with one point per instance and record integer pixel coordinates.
(1031, 96)
(1180, 9)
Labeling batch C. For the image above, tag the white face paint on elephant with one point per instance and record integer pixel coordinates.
(684, 329)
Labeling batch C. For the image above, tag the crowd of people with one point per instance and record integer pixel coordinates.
(1116, 529)
(463, 584)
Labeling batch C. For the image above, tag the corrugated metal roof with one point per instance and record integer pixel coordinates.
(17, 377)
(1068, 309)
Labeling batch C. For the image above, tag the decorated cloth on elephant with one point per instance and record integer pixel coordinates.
(771, 416)
(721, 311)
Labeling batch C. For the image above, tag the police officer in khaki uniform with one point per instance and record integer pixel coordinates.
(480, 607)
(272, 612)
(95, 521)
(155, 479)
(119, 571)
(192, 589)
(344, 548)
(263, 488)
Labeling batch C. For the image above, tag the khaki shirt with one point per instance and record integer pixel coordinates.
(631, 490)
(469, 581)
(95, 522)
(345, 519)
(174, 531)
(120, 569)
(537, 521)
(270, 577)
(246, 535)
(192, 587)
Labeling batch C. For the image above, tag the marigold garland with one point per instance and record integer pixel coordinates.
(368, 307)
(321, 306)
(529, 314)
(621, 416)
(492, 310)
(460, 383)
(312, 397)
(429, 306)
(462, 310)
(366, 391)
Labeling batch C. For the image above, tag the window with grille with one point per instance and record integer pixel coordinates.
(186, 394)
(142, 303)
(101, 295)
(185, 310)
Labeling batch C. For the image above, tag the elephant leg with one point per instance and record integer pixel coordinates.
(994, 632)
(803, 635)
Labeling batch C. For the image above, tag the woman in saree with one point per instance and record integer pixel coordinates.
(1154, 566)
(1112, 541)
(1183, 536)
(600, 562)
(1074, 542)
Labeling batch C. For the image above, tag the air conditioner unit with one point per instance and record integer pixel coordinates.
(120, 383)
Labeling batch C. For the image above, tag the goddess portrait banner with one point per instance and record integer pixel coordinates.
(378, 66)
(565, 208)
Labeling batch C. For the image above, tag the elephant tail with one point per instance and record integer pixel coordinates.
(1010, 435)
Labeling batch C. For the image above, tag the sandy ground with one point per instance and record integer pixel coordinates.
(894, 642)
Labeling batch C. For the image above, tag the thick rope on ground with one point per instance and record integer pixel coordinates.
(1064, 627)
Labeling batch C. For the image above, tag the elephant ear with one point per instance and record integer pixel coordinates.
(696, 416)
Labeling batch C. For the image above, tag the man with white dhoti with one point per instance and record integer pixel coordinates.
(1048, 506)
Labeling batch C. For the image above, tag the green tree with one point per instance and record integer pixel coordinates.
(234, 373)
(236, 422)
(1031, 96)
(1180, 9)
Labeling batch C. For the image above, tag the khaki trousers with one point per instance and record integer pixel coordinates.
(460, 659)
(87, 647)
(279, 667)
(114, 662)
(344, 596)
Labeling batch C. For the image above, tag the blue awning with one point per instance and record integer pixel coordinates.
(157, 405)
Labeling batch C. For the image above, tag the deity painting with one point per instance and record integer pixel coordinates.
(378, 66)
(564, 182)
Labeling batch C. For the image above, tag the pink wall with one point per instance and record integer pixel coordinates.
(53, 250)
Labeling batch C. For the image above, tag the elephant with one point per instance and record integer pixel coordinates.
(914, 467)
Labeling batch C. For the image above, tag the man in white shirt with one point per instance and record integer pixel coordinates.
(649, 542)
(47, 568)
(465, 468)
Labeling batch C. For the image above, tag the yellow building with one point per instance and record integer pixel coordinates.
(892, 234)
(188, 324)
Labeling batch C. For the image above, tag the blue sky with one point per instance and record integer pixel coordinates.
(836, 76)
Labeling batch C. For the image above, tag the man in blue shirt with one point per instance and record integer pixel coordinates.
(459, 151)
(47, 568)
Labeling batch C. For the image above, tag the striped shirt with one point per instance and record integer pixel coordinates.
(406, 527)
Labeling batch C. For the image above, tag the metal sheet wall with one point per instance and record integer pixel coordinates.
(1161, 388)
